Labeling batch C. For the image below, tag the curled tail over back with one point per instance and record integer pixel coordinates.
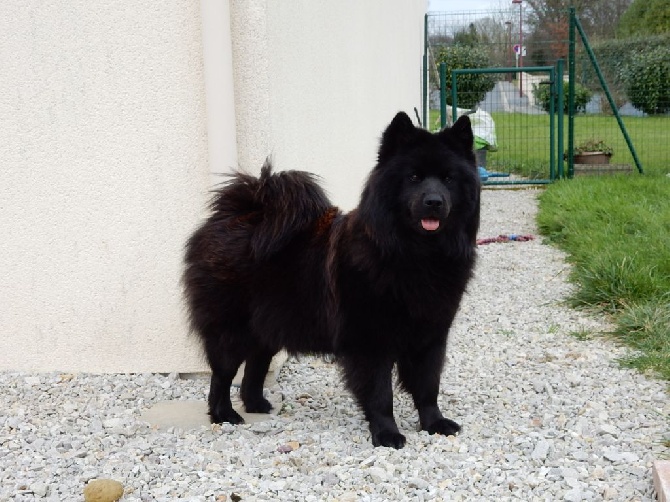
(281, 205)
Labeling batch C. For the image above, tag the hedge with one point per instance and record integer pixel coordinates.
(636, 69)
(542, 94)
(471, 88)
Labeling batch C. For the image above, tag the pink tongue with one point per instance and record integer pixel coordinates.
(430, 224)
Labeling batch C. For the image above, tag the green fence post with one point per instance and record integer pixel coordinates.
(571, 93)
(561, 115)
(424, 95)
(454, 95)
(443, 95)
(552, 133)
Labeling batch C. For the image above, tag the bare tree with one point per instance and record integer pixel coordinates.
(599, 17)
(604, 16)
(548, 20)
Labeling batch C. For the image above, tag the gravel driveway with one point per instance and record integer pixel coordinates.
(545, 416)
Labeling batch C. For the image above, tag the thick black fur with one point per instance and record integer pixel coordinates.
(277, 266)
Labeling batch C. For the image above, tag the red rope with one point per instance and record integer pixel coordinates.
(505, 238)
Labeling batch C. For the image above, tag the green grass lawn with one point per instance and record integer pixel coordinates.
(617, 233)
(523, 141)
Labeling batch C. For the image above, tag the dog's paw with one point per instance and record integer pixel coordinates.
(230, 416)
(261, 405)
(443, 426)
(389, 438)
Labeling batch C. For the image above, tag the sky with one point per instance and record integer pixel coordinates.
(457, 5)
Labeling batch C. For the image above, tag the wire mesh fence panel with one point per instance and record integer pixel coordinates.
(517, 103)
(637, 76)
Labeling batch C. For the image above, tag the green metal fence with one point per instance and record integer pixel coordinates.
(503, 85)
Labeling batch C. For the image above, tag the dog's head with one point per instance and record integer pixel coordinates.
(423, 184)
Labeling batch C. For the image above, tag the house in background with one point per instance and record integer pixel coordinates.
(117, 118)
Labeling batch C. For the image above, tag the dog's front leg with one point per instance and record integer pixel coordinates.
(419, 373)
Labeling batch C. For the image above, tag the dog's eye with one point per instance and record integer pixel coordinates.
(414, 178)
(447, 179)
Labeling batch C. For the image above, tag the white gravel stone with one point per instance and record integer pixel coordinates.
(545, 416)
(541, 450)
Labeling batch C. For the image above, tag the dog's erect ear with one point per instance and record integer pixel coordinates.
(399, 132)
(460, 134)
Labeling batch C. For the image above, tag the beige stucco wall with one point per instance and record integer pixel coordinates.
(113, 118)
(316, 82)
(103, 173)
(218, 67)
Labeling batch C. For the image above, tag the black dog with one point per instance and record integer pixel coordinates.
(277, 266)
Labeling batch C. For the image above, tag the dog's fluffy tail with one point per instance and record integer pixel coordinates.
(282, 204)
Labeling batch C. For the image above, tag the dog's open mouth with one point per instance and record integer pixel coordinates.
(430, 224)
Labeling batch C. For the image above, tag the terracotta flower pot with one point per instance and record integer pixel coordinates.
(592, 158)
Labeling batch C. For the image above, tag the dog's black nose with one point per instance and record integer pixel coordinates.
(433, 201)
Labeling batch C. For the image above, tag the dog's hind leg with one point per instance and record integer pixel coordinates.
(256, 368)
(224, 363)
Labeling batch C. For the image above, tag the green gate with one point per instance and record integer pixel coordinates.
(528, 146)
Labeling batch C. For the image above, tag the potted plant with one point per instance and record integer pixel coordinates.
(592, 151)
